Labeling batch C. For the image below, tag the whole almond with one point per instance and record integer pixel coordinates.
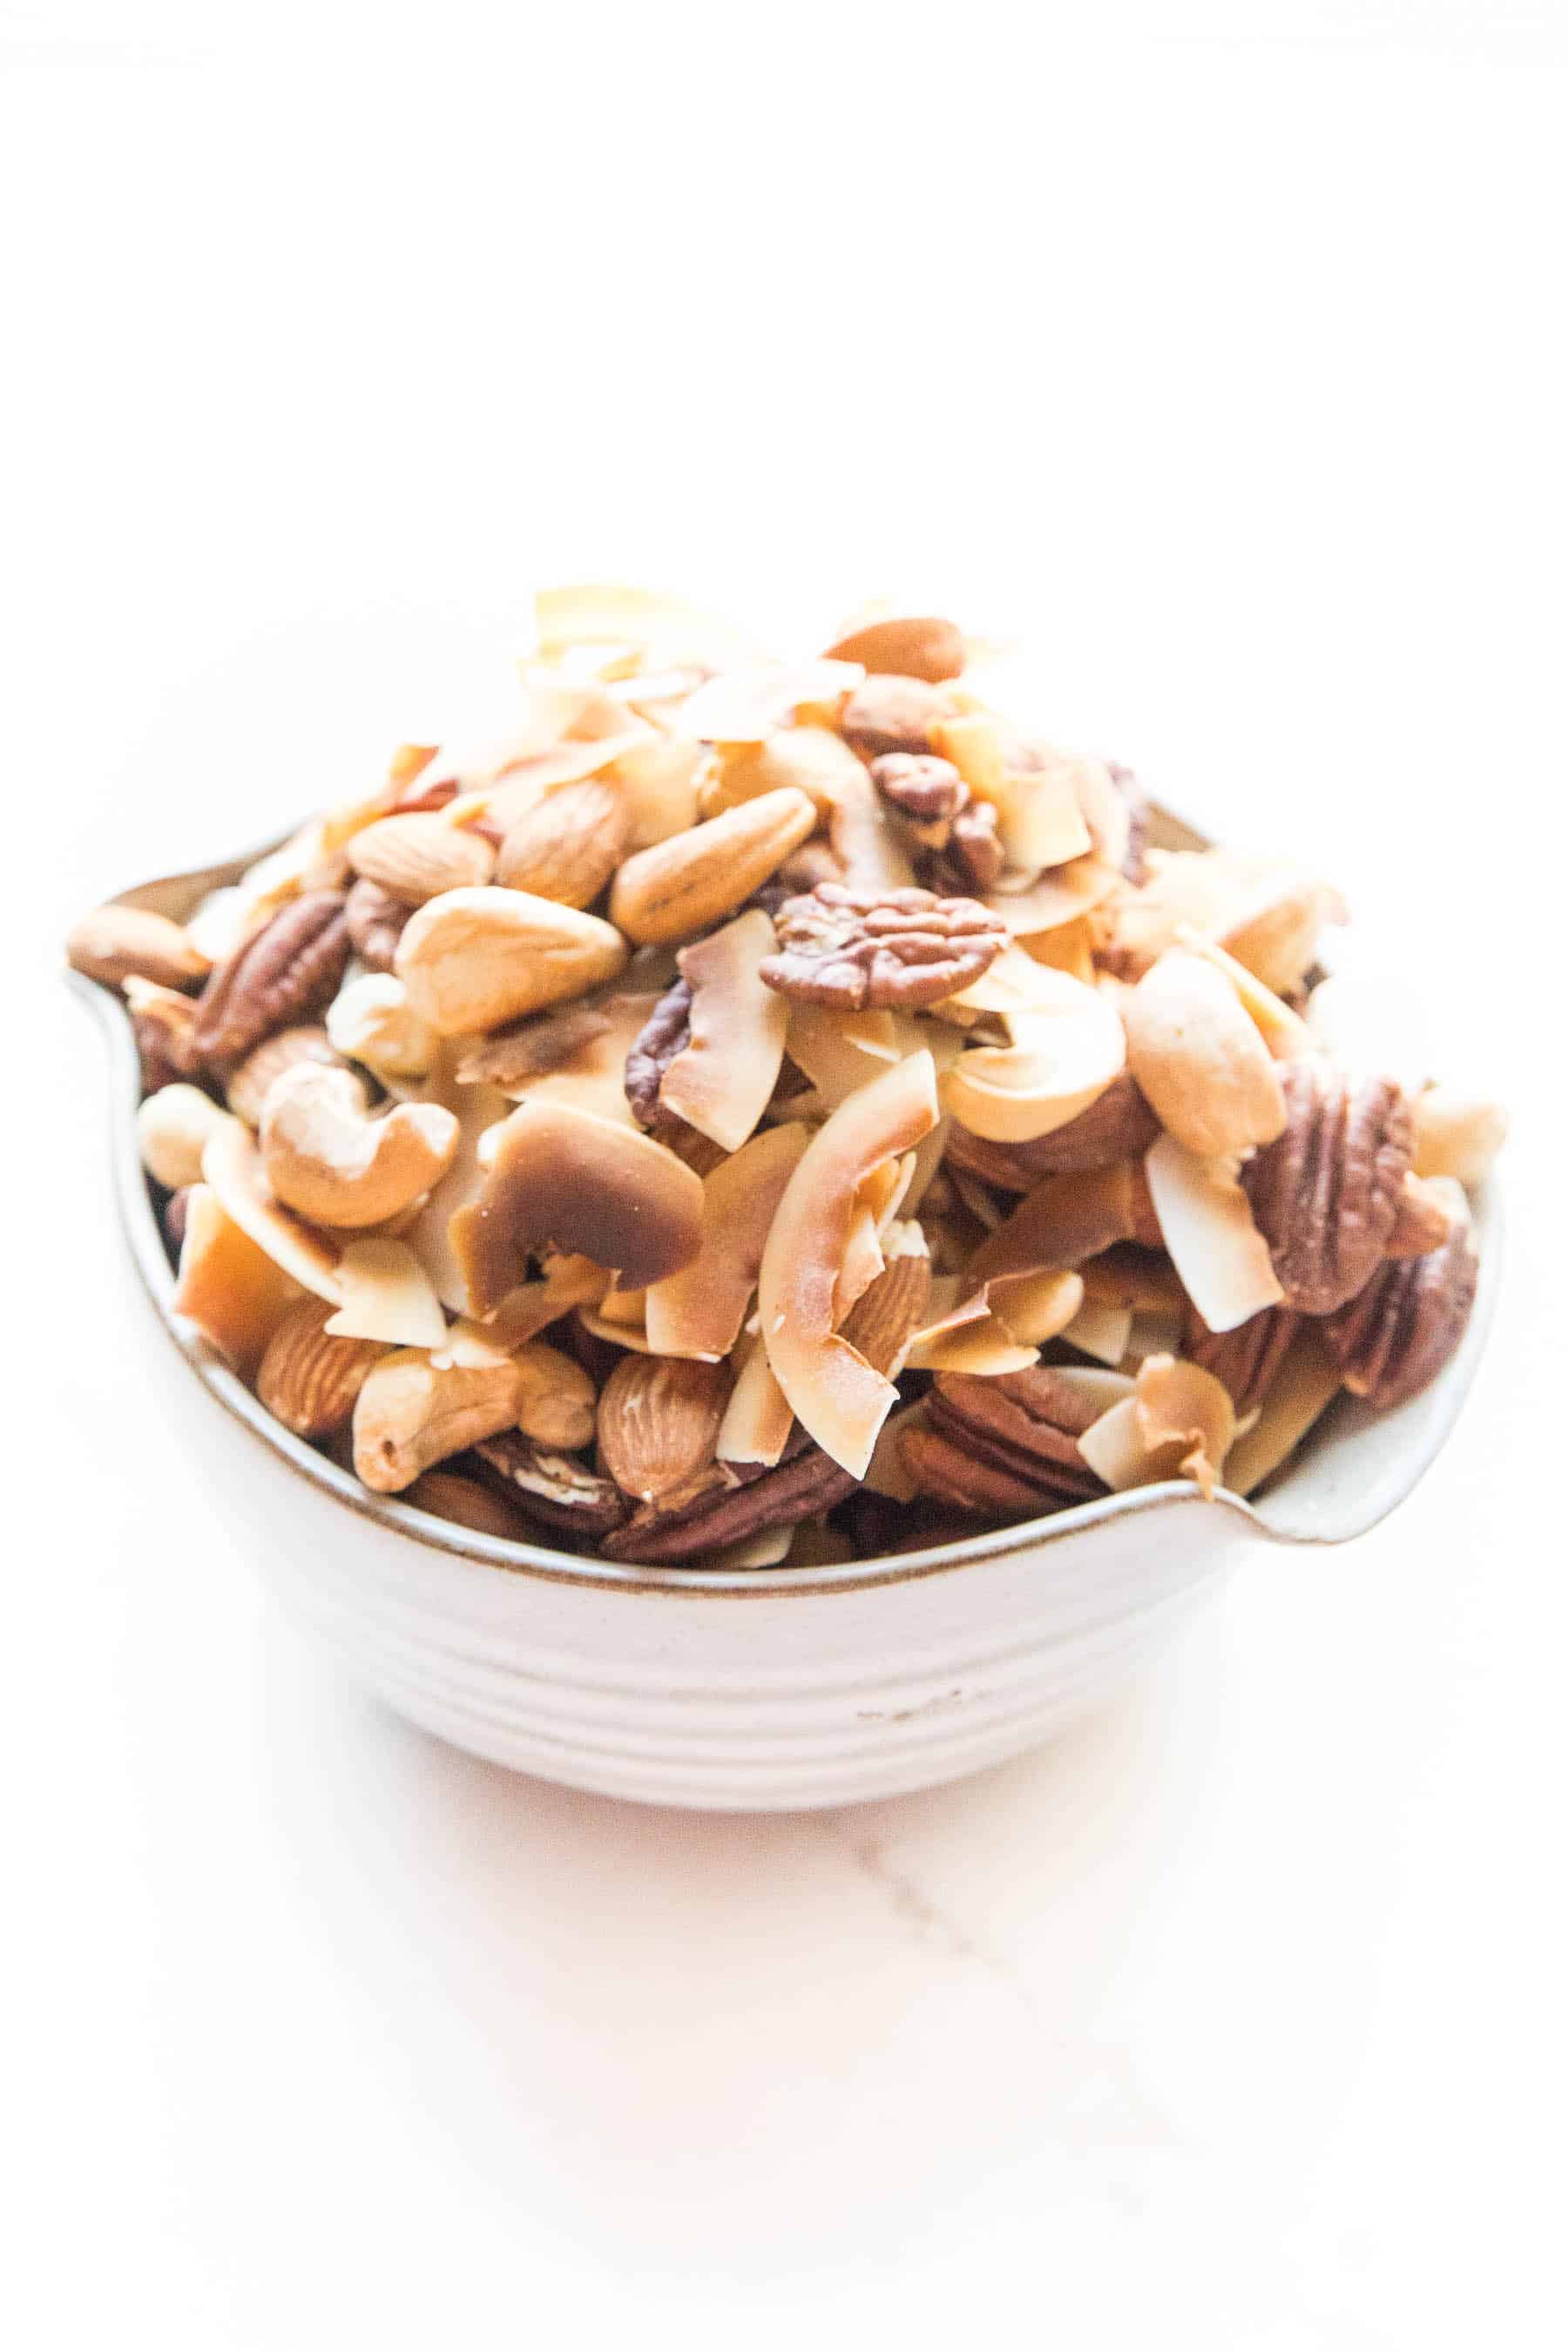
(659, 1421)
(309, 1381)
(919, 645)
(473, 959)
(567, 848)
(682, 885)
(115, 943)
(417, 857)
(248, 1085)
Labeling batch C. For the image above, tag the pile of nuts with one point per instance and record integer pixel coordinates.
(747, 1113)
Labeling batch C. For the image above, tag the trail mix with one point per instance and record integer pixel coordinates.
(745, 1113)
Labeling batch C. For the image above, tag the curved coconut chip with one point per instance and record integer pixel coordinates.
(1066, 1045)
(722, 1079)
(1206, 1223)
(757, 1419)
(700, 1310)
(1179, 1421)
(836, 1394)
(664, 628)
(1309, 1379)
(386, 1295)
(1032, 903)
(232, 1166)
(745, 706)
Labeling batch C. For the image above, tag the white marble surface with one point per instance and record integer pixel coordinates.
(1235, 2019)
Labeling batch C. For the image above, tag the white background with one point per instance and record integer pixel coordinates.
(1223, 364)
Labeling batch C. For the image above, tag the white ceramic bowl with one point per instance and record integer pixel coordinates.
(758, 1690)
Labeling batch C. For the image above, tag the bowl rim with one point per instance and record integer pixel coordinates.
(515, 1555)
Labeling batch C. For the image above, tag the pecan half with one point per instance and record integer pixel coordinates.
(375, 920)
(1325, 1195)
(553, 1488)
(888, 713)
(286, 973)
(1004, 1446)
(667, 1032)
(1397, 1334)
(1245, 1359)
(715, 1510)
(1117, 1125)
(928, 790)
(973, 859)
(853, 949)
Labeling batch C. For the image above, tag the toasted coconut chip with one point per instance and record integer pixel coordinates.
(839, 1051)
(1107, 812)
(814, 759)
(664, 628)
(985, 1348)
(1035, 1307)
(1101, 1331)
(632, 1336)
(1123, 1276)
(1065, 1051)
(766, 1548)
(745, 706)
(869, 854)
(757, 1420)
(1177, 1422)
(887, 1472)
(1069, 949)
(386, 1295)
(1030, 904)
(1205, 1220)
(1064, 1221)
(478, 1111)
(532, 1307)
(619, 1306)
(837, 1397)
(1306, 1385)
(1182, 1405)
(700, 1310)
(576, 1054)
(1038, 813)
(231, 1165)
(235, 1294)
(564, 1180)
(1284, 1033)
(1262, 908)
(539, 714)
(467, 1347)
(722, 1080)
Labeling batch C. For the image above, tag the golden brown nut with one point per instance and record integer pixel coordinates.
(114, 943)
(686, 882)
(308, 1378)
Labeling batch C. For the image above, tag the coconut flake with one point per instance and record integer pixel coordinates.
(231, 1165)
(1306, 1385)
(837, 1395)
(386, 1295)
(1102, 1332)
(665, 628)
(757, 1419)
(700, 1310)
(722, 1081)
(1206, 1223)
(745, 706)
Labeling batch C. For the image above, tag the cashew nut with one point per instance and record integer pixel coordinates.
(325, 1158)
(172, 1130)
(372, 1021)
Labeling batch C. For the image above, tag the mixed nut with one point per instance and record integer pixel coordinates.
(750, 1113)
